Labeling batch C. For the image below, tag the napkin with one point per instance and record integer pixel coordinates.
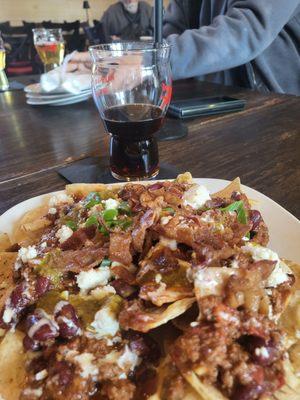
(60, 81)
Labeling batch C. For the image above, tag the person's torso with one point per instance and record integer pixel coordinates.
(268, 71)
(129, 26)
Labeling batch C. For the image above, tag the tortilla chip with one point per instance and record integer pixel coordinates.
(171, 312)
(12, 366)
(7, 261)
(290, 318)
(31, 226)
(165, 373)
(5, 242)
(206, 392)
(147, 319)
(291, 390)
(83, 189)
(186, 177)
(234, 186)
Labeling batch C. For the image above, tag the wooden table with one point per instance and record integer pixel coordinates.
(260, 144)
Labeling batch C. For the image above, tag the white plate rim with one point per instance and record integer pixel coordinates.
(72, 99)
(54, 96)
(37, 90)
(286, 247)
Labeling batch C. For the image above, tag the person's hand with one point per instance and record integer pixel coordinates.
(121, 74)
(80, 62)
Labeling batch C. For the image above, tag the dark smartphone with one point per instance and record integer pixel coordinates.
(196, 107)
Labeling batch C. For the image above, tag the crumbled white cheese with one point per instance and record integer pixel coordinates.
(165, 220)
(234, 264)
(171, 243)
(52, 211)
(245, 239)
(259, 252)
(43, 245)
(279, 274)
(41, 375)
(85, 361)
(262, 352)
(64, 233)
(8, 315)
(27, 253)
(33, 392)
(60, 198)
(87, 280)
(110, 204)
(196, 196)
(194, 324)
(158, 278)
(280, 271)
(128, 360)
(122, 376)
(105, 323)
(211, 281)
(101, 292)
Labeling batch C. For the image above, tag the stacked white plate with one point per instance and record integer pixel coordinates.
(37, 97)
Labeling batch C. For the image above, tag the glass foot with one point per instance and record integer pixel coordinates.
(134, 178)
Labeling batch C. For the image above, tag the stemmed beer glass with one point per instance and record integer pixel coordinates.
(4, 85)
(50, 46)
(132, 90)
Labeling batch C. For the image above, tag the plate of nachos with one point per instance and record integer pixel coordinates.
(160, 290)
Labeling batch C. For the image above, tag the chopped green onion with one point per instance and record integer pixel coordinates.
(103, 230)
(92, 199)
(105, 262)
(248, 235)
(92, 220)
(124, 208)
(238, 206)
(125, 223)
(169, 210)
(110, 214)
(71, 224)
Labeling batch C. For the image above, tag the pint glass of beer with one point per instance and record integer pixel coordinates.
(49, 44)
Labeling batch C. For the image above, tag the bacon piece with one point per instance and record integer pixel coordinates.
(122, 288)
(78, 239)
(140, 229)
(119, 248)
(78, 260)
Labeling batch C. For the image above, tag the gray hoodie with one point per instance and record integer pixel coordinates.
(119, 22)
(250, 43)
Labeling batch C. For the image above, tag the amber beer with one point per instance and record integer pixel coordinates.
(2, 59)
(4, 85)
(51, 53)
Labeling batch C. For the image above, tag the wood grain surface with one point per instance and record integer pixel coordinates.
(260, 144)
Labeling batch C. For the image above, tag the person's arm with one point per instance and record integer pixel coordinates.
(105, 21)
(233, 39)
(175, 18)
